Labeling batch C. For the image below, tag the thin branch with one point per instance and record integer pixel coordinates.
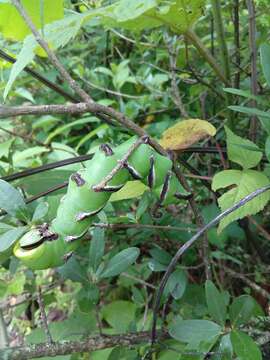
(236, 25)
(174, 87)
(44, 316)
(121, 163)
(189, 243)
(248, 282)
(142, 226)
(70, 347)
(196, 41)
(46, 167)
(254, 81)
(198, 218)
(3, 332)
(54, 60)
(216, 8)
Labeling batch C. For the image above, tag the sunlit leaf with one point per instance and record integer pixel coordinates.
(185, 133)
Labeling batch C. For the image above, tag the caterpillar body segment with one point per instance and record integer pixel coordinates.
(47, 246)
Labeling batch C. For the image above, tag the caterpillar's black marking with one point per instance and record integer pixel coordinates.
(84, 215)
(108, 151)
(151, 176)
(165, 187)
(71, 238)
(46, 234)
(133, 172)
(67, 256)
(109, 188)
(183, 196)
(76, 177)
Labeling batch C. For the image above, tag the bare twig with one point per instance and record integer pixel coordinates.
(236, 25)
(174, 86)
(143, 226)
(260, 228)
(70, 347)
(3, 332)
(44, 316)
(189, 243)
(121, 163)
(254, 82)
(247, 281)
(198, 218)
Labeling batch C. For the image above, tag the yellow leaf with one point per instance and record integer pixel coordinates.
(131, 190)
(185, 133)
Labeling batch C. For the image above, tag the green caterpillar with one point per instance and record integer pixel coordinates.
(46, 246)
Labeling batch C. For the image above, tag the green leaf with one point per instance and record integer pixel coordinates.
(245, 182)
(96, 248)
(12, 201)
(194, 331)
(20, 156)
(177, 284)
(120, 262)
(242, 309)
(250, 111)
(265, 61)
(132, 189)
(245, 94)
(242, 151)
(119, 314)
(244, 347)
(267, 148)
(8, 239)
(215, 303)
(40, 211)
(68, 126)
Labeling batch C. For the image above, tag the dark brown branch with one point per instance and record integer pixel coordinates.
(70, 347)
(47, 167)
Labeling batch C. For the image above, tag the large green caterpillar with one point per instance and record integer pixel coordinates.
(47, 246)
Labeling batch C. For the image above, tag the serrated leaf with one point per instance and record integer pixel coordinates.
(185, 133)
(244, 347)
(265, 61)
(245, 182)
(120, 262)
(194, 331)
(12, 201)
(215, 303)
(242, 151)
(132, 189)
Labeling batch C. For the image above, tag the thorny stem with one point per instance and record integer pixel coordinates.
(188, 244)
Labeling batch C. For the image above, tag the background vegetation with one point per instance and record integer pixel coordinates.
(140, 67)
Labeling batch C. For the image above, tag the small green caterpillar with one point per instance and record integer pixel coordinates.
(48, 246)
